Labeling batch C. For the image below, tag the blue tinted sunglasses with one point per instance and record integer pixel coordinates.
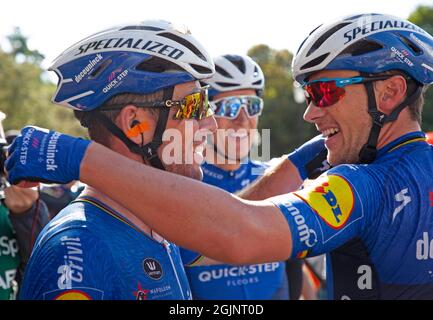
(230, 107)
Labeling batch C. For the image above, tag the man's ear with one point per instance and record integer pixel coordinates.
(126, 118)
(390, 93)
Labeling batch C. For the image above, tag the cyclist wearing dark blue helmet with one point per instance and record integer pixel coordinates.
(364, 78)
(127, 85)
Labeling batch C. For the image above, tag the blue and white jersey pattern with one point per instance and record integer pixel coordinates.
(90, 252)
(375, 222)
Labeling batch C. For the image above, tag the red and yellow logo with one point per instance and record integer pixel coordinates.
(73, 295)
(331, 198)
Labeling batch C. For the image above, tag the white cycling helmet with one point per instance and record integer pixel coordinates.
(234, 72)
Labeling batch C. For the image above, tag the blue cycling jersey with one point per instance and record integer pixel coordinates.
(89, 251)
(261, 281)
(233, 181)
(375, 222)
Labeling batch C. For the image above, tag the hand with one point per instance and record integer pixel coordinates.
(310, 158)
(19, 200)
(41, 155)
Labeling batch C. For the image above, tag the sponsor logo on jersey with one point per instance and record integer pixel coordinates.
(424, 247)
(78, 293)
(71, 272)
(152, 268)
(73, 295)
(140, 294)
(238, 271)
(331, 198)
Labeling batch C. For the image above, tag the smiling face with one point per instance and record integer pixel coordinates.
(235, 132)
(189, 137)
(345, 124)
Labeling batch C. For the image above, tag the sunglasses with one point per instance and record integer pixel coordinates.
(230, 107)
(193, 106)
(327, 91)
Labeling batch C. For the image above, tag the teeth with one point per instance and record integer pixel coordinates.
(330, 131)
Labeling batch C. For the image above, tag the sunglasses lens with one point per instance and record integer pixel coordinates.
(230, 107)
(323, 93)
(195, 106)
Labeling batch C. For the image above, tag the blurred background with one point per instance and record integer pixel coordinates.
(33, 33)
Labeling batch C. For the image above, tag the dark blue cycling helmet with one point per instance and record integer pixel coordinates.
(133, 58)
(369, 43)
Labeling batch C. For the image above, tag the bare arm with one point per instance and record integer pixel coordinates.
(192, 214)
(281, 179)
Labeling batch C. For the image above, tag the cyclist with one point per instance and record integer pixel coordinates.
(120, 82)
(364, 76)
(235, 94)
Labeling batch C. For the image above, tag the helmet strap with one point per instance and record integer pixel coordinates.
(368, 152)
(149, 151)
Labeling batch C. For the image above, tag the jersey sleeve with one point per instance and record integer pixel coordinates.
(331, 210)
(72, 265)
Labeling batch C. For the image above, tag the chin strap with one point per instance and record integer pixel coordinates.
(149, 151)
(369, 150)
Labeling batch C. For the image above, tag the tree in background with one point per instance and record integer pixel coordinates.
(423, 17)
(25, 94)
(281, 113)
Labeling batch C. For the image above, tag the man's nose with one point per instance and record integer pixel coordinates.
(313, 113)
(242, 116)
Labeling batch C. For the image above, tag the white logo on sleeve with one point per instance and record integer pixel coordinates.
(404, 199)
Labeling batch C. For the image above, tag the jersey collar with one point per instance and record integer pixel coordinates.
(412, 137)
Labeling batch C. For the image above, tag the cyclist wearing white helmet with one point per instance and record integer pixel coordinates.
(364, 77)
(235, 93)
(127, 85)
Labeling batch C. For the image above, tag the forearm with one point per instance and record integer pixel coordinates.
(194, 215)
(281, 179)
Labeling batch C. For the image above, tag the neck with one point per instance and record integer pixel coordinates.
(393, 130)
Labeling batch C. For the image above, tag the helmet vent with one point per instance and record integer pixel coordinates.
(200, 69)
(362, 47)
(257, 82)
(149, 28)
(157, 65)
(325, 36)
(183, 42)
(361, 15)
(223, 72)
(227, 85)
(95, 73)
(315, 61)
(416, 50)
(237, 61)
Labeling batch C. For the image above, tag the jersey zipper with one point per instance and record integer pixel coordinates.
(167, 248)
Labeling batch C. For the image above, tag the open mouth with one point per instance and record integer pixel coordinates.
(328, 133)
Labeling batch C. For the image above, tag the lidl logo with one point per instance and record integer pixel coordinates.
(331, 198)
